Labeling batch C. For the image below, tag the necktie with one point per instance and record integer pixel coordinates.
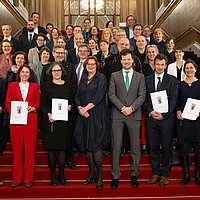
(158, 84)
(127, 80)
(79, 71)
(30, 38)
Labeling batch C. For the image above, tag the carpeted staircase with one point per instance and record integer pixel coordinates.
(76, 190)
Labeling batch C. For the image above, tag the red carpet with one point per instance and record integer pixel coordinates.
(76, 190)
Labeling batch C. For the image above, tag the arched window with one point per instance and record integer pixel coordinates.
(99, 11)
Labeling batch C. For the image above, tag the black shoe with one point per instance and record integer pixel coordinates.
(62, 180)
(90, 179)
(71, 166)
(114, 184)
(53, 180)
(134, 182)
(99, 185)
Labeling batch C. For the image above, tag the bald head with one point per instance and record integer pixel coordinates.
(141, 42)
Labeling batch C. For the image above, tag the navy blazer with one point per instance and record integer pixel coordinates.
(70, 44)
(25, 45)
(169, 83)
(72, 57)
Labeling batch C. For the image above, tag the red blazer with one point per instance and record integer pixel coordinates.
(33, 97)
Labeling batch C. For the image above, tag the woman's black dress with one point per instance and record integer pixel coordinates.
(57, 135)
(189, 131)
(92, 132)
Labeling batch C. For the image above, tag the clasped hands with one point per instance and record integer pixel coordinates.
(126, 110)
(83, 111)
(156, 115)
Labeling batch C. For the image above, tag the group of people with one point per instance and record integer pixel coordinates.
(109, 79)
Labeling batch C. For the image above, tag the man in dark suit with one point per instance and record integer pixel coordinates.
(127, 93)
(37, 29)
(160, 125)
(72, 56)
(7, 30)
(71, 42)
(130, 21)
(28, 39)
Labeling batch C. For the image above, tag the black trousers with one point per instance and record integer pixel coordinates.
(160, 135)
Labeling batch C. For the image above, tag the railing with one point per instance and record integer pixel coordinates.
(163, 12)
(19, 12)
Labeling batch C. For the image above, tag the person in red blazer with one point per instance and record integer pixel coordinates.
(24, 136)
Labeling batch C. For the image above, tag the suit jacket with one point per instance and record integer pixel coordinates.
(169, 83)
(120, 97)
(72, 57)
(25, 45)
(70, 44)
(33, 56)
(172, 69)
(127, 31)
(40, 30)
(33, 97)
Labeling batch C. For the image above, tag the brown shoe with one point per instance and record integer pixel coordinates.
(14, 185)
(154, 179)
(164, 181)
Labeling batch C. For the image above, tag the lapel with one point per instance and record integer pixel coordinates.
(164, 82)
(132, 82)
(121, 80)
(29, 92)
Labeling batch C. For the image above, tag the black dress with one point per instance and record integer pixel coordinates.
(92, 132)
(189, 131)
(57, 135)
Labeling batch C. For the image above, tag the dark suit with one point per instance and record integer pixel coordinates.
(72, 57)
(160, 132)
(119, 98)
(70, 44)
(40, 30)
(25, 45)
(127, 31)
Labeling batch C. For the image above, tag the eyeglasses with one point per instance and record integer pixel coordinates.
(6, 46)
(56, 70)
(91, 64)
(83, 51)
(60, 52)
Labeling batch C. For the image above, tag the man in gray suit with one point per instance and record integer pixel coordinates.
(127, 93)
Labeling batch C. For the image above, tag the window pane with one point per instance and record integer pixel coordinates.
(110, 7)
(74, 7)
(84, 6)
(66, 6)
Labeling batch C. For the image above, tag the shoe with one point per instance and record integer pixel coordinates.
(1, 183)
(134, 182)
(99, 184)
(71, 165)
(14, 185)
(164, 181)
(28, 185)
(53, 181)
(154, 179)
(90, 179)
(62, 180)
(185, 180)
(114, 184)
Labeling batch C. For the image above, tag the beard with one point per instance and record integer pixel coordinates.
(30, 29)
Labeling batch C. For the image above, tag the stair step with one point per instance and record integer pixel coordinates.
(42, 158)
(44, 190)
(81, 173)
